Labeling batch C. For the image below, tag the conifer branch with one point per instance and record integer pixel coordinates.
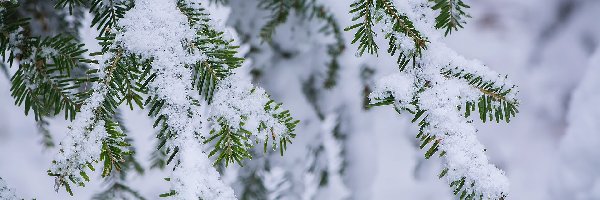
(281, 11)
(107, 13)
(365, 34)
(435, 95)
(402, 24)
(43, 81)
(451, 14)
(116, 181)
(334, 50)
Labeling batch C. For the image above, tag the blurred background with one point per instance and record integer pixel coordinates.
(549, 48)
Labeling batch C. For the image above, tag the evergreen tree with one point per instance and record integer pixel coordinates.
(187, 79)
(166, 57)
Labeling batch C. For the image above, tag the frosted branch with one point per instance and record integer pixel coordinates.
(158, 31)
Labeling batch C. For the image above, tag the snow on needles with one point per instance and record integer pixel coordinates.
(238, 102)
(157, 30)
(399, 86)
(465, 157)
(163, 29)
(442, 97)
(83, 143)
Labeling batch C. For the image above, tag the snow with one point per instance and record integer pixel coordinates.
(311, 185)
(157, 30)
(383, 161)
(400, 86)
(83, 143)
(465, 157)
(579, 147)
(275, 182)
(239, 102)
(464, 153)
(5, 192)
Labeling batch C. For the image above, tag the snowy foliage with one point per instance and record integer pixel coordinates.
(440, 89)
(159, 48)
(241, 107)
(169, 53)
(164, 29)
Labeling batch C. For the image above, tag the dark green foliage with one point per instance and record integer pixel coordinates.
(125, 78)
(231, 145)
(70, 3)
(253, 187)
(117, 188)
(165, 134)
(49, 81)
(334, 50)
(493, 103)
(400, 25)
(168, 194)
(432, 144)
(107, 13)
(365, 34)
(47, 139)
(281, 10)
(114, 149)
(158, 159)
(213, 44)
(451, 14)
(44, 81)
(46, 64)
(231, 142)
(403, 25)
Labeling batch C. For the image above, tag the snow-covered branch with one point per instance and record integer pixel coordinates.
(440, 90)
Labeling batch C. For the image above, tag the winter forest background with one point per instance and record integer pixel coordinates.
(549, 48)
